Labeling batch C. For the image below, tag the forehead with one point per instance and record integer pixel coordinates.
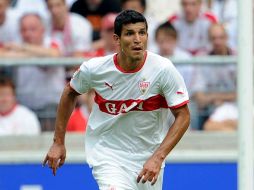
(216, 30)
(134, 26)
(30, 20)
(5, 88)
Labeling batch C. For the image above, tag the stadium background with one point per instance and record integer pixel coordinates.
(202, 160)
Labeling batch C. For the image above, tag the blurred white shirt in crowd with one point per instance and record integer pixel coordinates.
(227, 111)
(38, 87)
(20, 121)
(9, 30)
(77, 35)
(193, 37)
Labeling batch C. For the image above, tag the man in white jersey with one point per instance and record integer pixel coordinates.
(127, 139)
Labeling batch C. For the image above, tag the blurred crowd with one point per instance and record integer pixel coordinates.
(84, 28)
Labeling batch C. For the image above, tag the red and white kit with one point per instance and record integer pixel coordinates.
(128, 119)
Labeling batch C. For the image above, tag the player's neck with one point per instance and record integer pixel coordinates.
(128, 64)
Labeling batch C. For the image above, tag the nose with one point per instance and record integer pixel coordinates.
(137, 38)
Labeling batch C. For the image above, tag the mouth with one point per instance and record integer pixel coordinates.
(137, 49)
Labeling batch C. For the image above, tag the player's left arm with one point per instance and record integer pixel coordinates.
(176, 95)
(152, 166)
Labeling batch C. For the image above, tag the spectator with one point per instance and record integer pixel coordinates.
(192, 26)
(8, 30)
(224, 118)
(94, 10)
(108, 45)
(73, 32)
(226, 12)
(15, 119)
(222, 78)
(140, 6)
(218, 81)
(219, 38)
(33, 81)
(166, 38)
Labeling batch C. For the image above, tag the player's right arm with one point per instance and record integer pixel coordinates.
(79, 84)
(57, 153)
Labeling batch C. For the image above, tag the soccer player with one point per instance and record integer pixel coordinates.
(127, 138)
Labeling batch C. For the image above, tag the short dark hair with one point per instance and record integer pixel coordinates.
(127, 17)
(6, 81)
(168, 28)
(142, 2)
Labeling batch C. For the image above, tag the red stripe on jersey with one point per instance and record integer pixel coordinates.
(115, 107)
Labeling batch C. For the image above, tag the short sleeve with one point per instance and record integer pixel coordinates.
(173, 87)
(81, 79)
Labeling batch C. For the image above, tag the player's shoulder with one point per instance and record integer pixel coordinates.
(97, 62)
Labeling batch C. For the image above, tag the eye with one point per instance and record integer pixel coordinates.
(128, 33)
(142, 32)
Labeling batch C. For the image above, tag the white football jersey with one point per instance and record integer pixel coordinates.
(129, 117)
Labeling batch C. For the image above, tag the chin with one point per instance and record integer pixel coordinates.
(137, 57)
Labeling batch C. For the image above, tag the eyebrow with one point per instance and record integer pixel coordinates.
(131, 30)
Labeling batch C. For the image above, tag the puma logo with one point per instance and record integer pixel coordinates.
(108, 85)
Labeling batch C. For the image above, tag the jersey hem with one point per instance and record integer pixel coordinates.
(179, 105)
(74, 88)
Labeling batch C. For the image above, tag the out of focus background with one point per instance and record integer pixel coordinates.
(43, 42)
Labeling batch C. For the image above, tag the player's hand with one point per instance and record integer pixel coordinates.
(150, 171)
(55, 157)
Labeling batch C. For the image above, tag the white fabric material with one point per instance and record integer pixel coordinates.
(21, 121)
(38, 87)
(227, 111)
(77, 35)
(181, 54)
(120, 178)
(189, 72)
(9, 30)
(124, 134)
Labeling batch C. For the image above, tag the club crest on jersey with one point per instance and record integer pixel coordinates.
(143, 86)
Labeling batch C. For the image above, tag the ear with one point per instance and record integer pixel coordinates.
(116, 39)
